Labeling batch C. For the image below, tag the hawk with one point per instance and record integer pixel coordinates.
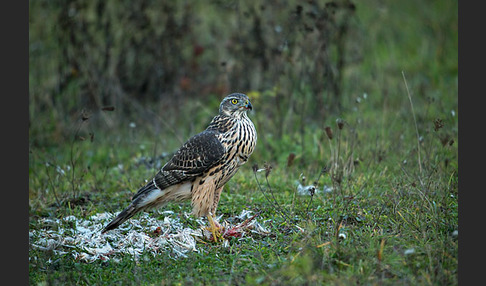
(202, 166)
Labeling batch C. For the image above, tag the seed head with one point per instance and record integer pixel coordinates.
(290, 159)
(328, 132)
(340, 123)
(438, 124)
(268, 169)
(255, 167)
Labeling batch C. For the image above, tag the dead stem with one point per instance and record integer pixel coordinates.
(415, 122)
(279, 209)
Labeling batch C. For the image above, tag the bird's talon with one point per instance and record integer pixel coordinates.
(214, 229)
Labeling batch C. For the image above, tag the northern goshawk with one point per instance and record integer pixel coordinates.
(202, 166)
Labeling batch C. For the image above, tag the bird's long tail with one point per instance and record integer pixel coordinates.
(127, 213)
(148, 197)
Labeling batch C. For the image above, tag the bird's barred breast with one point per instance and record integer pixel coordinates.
(239, 142)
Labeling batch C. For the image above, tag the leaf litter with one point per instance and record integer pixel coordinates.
(82, 237)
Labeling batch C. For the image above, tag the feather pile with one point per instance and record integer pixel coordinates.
(82, 238)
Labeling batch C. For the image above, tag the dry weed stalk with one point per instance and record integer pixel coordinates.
(415, 123)
(341, 161)
(267, 168)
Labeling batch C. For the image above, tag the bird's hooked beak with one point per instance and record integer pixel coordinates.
(248, 105)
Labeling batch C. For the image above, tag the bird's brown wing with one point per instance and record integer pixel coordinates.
(198, 154)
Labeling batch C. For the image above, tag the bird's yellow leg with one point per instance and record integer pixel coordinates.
(213, 228)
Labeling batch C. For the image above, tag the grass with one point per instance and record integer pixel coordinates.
(392, 163)
(385, 206)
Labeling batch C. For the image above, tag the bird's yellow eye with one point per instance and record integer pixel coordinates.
(234, 101)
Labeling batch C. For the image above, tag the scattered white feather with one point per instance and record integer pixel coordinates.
(455, 233)
(311, 189)
(409, 251)
(82, 237)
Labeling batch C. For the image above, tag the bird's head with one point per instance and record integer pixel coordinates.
(235, 105)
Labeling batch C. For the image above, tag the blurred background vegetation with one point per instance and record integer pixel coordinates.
(165, 65)
(110, 81)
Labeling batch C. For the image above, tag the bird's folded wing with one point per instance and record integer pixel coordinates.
(200, 153)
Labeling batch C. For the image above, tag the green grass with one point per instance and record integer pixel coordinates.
(382, 206)
(398, 217)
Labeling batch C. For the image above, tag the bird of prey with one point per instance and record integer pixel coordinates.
(202, 166)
